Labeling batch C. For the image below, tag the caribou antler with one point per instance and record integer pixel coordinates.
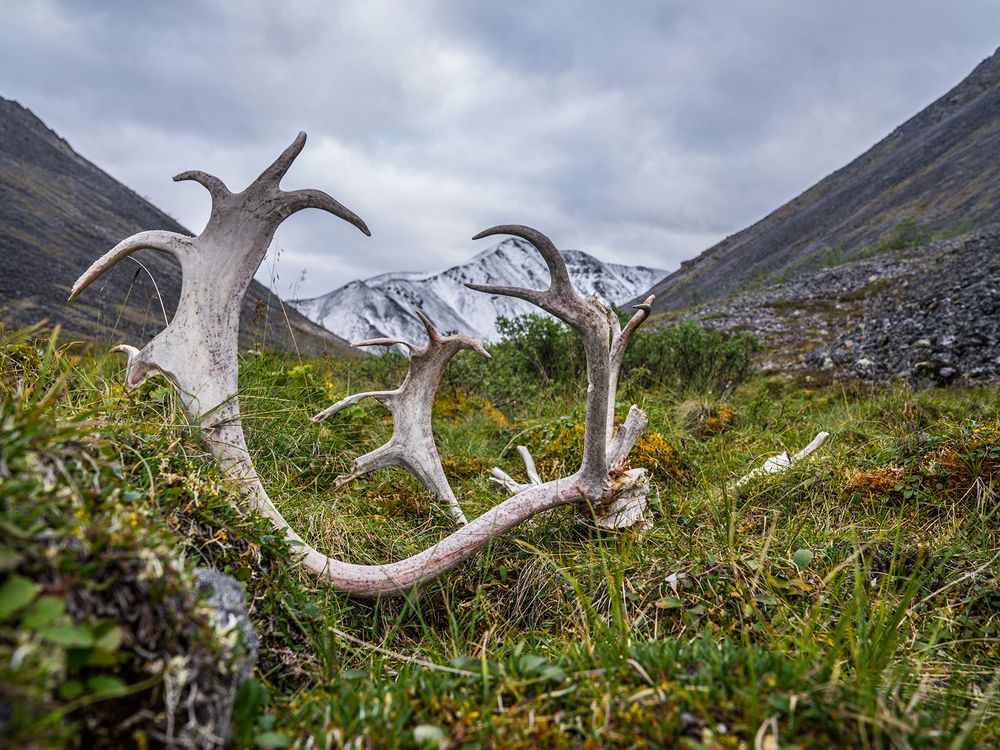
(604, 343)
(197, 352)
(412, 446)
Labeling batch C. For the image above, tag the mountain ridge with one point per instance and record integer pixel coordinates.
(383, 305)
(928, 169)
(59, 212)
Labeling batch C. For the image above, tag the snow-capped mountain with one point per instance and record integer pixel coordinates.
(383, 305)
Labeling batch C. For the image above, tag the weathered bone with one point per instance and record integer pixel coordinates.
(782, 461)
(197, 352)
(412, 446)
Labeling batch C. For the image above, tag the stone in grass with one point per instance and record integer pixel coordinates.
(223, 596)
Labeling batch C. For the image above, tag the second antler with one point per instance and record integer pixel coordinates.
(616, 495)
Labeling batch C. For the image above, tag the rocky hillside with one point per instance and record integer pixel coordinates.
(383, 305)
(929, 315)
(939, 168)
(59, 213)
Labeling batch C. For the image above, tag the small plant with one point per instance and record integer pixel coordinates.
(907, 233)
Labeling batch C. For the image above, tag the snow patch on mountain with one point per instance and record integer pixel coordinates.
(383, 305)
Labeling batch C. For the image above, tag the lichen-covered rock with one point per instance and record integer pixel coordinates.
(227, 602)
(107, 637)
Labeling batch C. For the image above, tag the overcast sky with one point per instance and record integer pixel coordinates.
(642, 132)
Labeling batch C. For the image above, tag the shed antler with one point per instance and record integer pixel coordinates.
(197, 352)
(412, 446)
(604, 342)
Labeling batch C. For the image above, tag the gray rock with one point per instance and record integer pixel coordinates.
(226, 601)
(224, 595)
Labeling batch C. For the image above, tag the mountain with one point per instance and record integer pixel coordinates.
(59, 213)
(940, 169)
(383, 306)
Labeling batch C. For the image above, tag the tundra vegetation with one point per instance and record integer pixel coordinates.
(852, 601)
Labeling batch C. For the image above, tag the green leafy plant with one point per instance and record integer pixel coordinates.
(688, 358)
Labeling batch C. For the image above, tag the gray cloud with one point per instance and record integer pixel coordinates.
(642, 132)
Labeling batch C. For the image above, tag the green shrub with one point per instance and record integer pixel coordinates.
(907, 233)
(539, 347)
(689, 358)
(539, 352)
(535, 353)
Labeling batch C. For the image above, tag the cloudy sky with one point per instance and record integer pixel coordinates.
(642, 132)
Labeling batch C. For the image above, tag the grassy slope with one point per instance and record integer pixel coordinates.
(561, 636)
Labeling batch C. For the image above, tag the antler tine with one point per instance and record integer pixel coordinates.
(560, 299)
(433, 334)
(296, 200)
(385, 342)
(216, 187)
(549, 252)
(273, 174)
(533, 296)
(476, 346)
(642, 312)
(619, 343)
(380, 396)
(168, 242)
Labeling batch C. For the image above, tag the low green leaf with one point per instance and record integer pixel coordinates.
(44, 611)
(70, 636)
(272, 740)
(16, 593)
(108, 637)
(71, 689)
(95, 657)
(105, 684)
(779, 702)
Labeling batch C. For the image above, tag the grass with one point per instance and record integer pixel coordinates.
(850, 602)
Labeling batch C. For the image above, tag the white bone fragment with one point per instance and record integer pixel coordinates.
(779, 463)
